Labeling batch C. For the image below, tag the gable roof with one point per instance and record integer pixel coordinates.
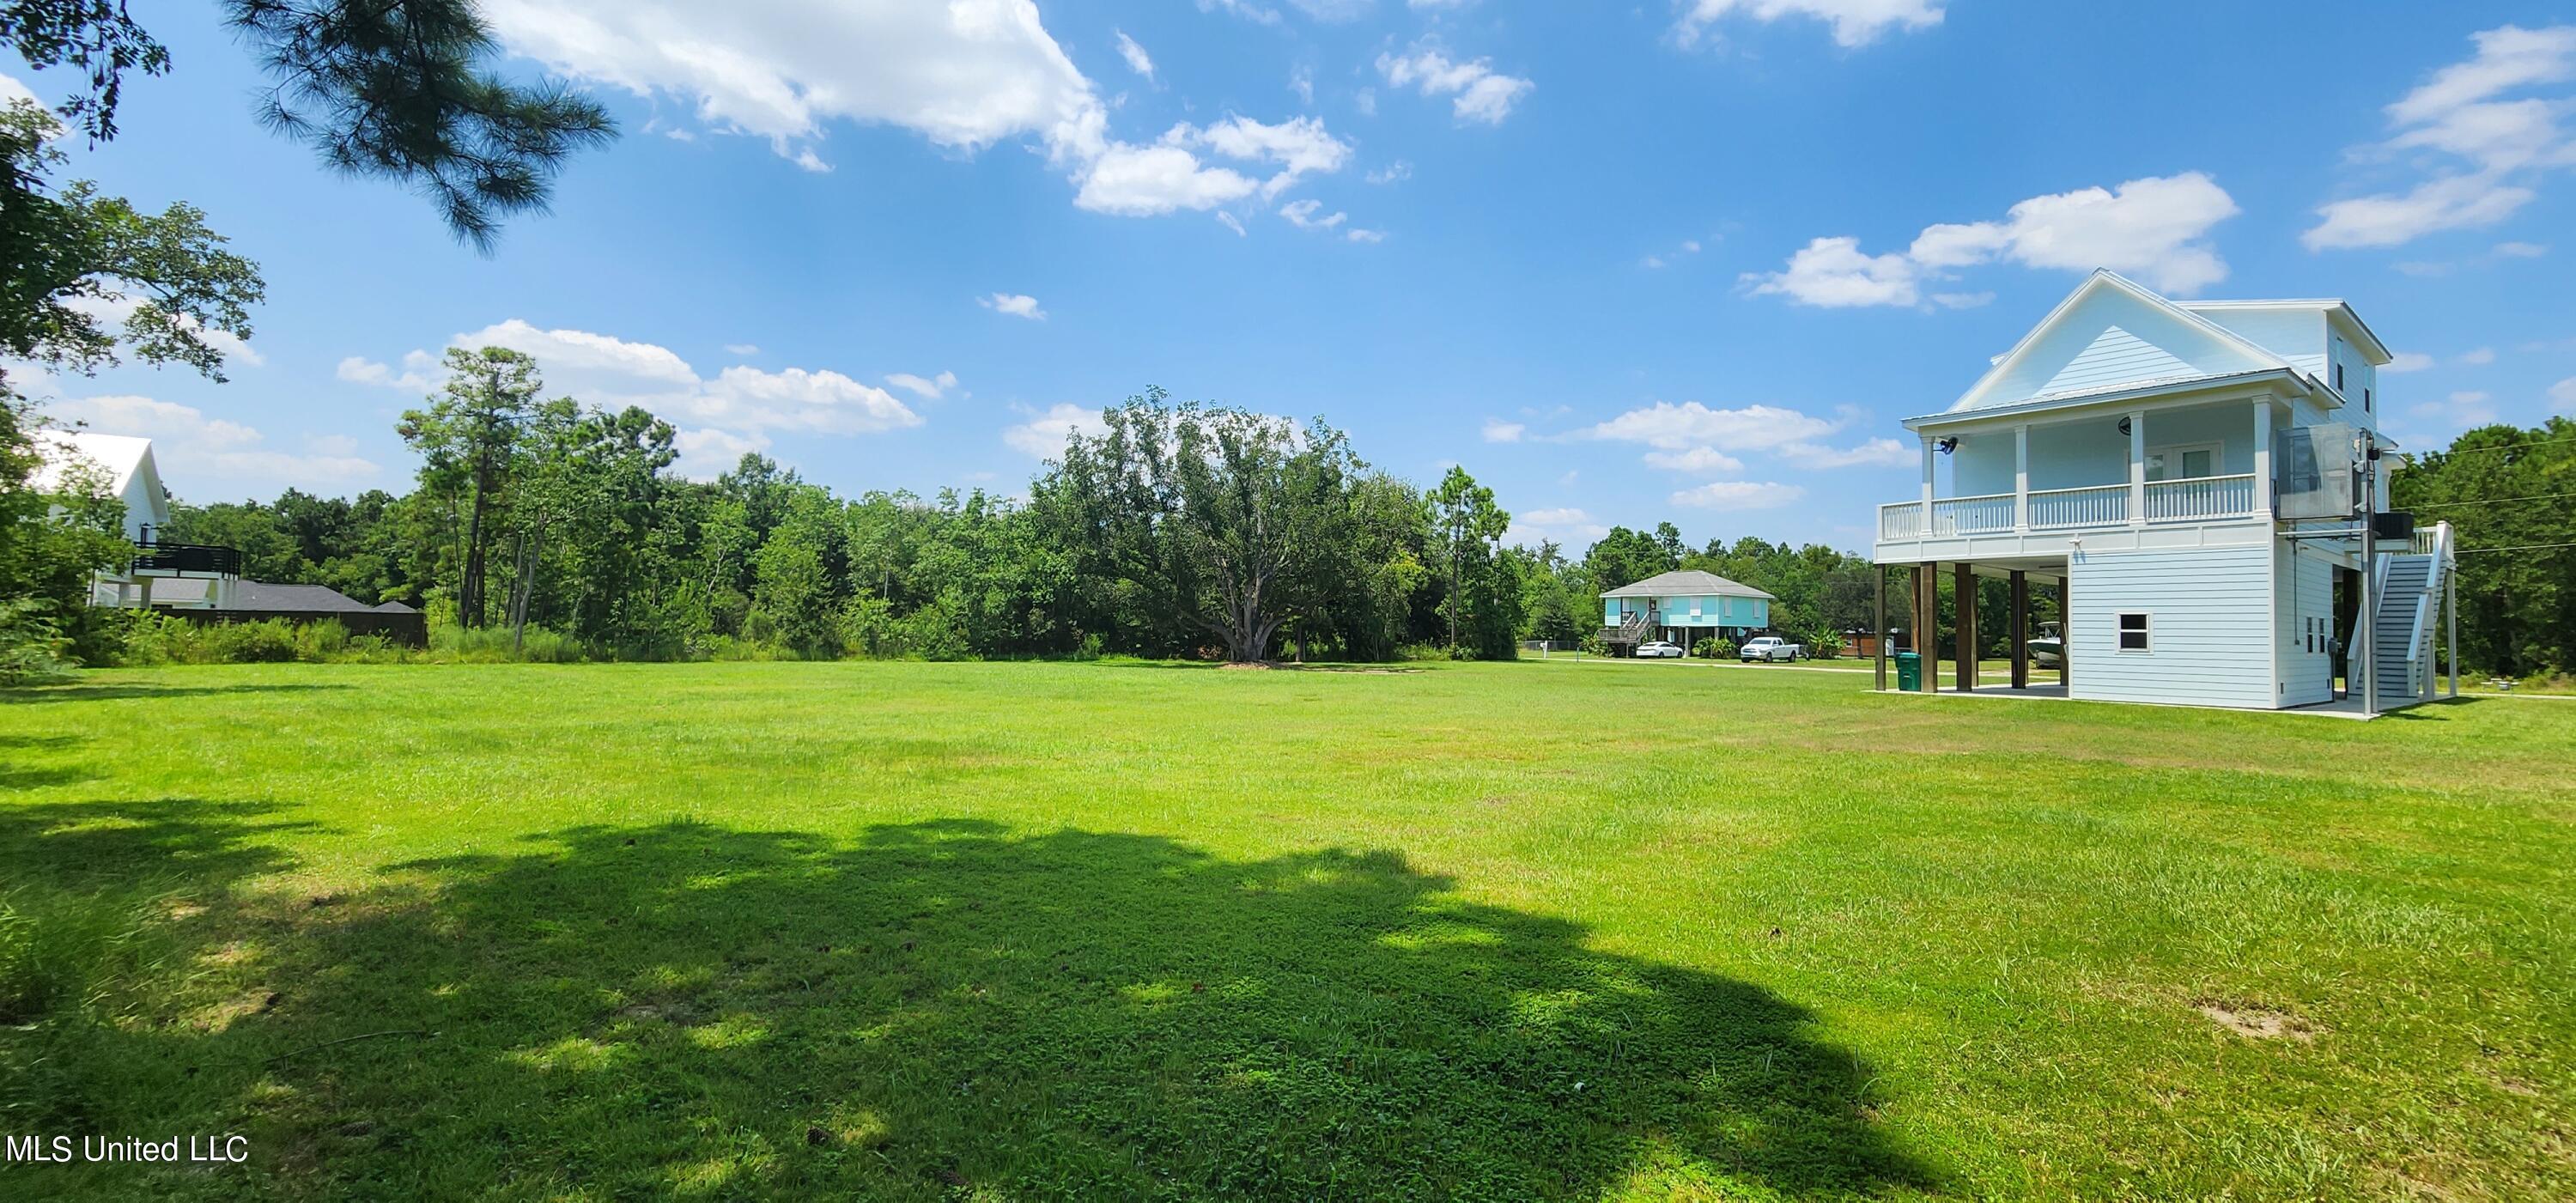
(1687, 583)
(119, 456)
(1984, 394)
(2330, 306)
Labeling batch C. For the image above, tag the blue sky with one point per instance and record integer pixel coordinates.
(1679, 261)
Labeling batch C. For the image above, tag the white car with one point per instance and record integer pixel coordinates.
(1770, 648)
(1657, 647)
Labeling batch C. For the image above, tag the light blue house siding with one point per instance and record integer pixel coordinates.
(2209, 626)
(1749, 613)
(2081, 454)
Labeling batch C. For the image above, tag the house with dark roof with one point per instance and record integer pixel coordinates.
(1682, 607)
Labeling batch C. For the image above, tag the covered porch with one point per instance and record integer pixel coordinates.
(2030, 603)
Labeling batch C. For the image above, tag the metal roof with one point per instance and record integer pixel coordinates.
(1687, 583)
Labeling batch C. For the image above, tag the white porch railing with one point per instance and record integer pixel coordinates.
(2200, 497)
(1900, 520)
(1972, 515)
(2099, 505)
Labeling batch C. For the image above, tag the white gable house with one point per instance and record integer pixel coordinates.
(2135, 452)
(122, 467)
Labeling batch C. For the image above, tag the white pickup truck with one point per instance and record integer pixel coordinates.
(1772, 648)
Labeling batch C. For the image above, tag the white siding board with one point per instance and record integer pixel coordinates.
(2297, 335)
(2212, 614)
(2111, 338)
(2306, 590)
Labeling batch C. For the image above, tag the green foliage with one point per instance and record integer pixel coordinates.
(2500, 486)
(1714, 647)
(32, 646)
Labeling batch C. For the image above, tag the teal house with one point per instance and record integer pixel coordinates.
(1682, 607)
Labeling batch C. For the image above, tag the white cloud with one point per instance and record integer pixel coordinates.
(1254, 13)
(928, 389)
(1962, 300)
(1834, 273)
(741, 349)
(716, 419)
(1391, 173)
(1301, 214)
(209, 458)
(1499, 431)
(115, 307)
(2156, 228)
(2452, 414)
(1134, 180)
(419, 372)
(1137, 60)
(1872, 453)
(1356, 234)
(1043, 434)
(2520, 250)
(12, 90)
(1302, 82)
(1564, 526)
(1739, 495)
(1855, 22)
(705, 454)
(1669, 427)
(2563, 394)
(1480, 93)
(2478, 357)
(2484, 152)
(2407, 361)
(1694, 459)
(964, 75)
(1231, 222)
(1014, 304)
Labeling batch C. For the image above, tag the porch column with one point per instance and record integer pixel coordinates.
(2263, 458)
(1927, 484)
(1927, 657)
(2020, 629)
(1879, 571)
(2137, 467)
(1963, 603)
(2021, 477)
(2066, 629)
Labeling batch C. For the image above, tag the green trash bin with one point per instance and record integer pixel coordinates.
(1909, 671)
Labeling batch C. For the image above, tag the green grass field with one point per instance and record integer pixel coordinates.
(1114, 931)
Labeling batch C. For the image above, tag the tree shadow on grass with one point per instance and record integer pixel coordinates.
(951, 1006)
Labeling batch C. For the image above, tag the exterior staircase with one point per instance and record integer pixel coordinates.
(1631, 630)
(2406, 591)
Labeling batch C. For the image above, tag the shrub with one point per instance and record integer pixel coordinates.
(1715, 647)
(32, 647)
(1828, 646)
(268, 641)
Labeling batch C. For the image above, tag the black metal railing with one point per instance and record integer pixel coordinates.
(187, 557)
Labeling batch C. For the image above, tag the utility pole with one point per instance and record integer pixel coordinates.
(2366, 628)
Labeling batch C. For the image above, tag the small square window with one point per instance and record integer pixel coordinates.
(2133, 632)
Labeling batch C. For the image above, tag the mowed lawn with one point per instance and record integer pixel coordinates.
(1052, 931)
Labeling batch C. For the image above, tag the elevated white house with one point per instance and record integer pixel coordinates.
(2135, 452)
(122, 466)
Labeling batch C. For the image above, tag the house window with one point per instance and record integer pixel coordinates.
(2365, 400)
(2133, 633)
(2338, 378)
(2182, 461)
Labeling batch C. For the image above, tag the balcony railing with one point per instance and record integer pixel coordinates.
(187, 557)
(2199, 499)
(2101, 505)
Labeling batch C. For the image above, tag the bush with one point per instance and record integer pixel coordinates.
(1828, 646)
(32, 647)
(1715, 647)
